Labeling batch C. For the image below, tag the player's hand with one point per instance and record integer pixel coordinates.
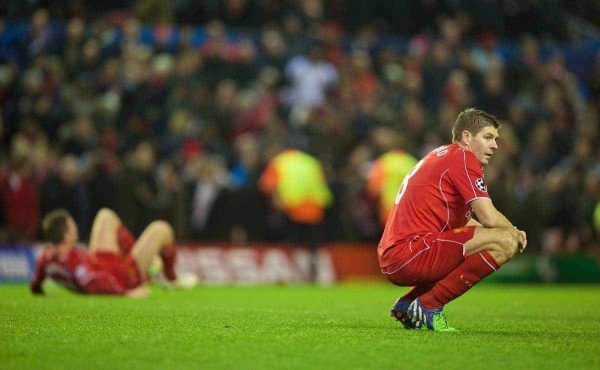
(140, 292)
(522, 240)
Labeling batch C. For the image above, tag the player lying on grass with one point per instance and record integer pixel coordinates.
(115, 263)
(430, 241)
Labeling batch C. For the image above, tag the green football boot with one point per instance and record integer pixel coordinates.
(425, 319)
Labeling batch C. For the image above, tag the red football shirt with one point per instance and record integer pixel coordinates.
(435, 196)
(78, 270)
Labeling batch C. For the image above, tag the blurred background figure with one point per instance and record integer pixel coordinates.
(207, 196)
(66, 189)
(20, 196)
(386, 176)
(296, 182)
(310, 76)
(136, 189)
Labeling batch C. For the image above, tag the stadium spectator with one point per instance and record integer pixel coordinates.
(431, 242)
(82, 139)
(41, 38)
(273, 49)
(244, 174)
(115, 262)
(173, 199)
(207, 193)
(310, 77)
(20, 197)
(136, 189)
(66, 189)
(98, 179)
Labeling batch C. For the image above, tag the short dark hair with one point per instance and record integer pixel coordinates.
(54, 225)
(473, 120)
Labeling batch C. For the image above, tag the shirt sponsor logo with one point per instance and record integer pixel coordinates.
(480, 184)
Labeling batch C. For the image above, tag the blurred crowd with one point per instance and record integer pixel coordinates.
(178, 122)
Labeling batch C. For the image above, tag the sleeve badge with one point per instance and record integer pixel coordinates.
(480, 184)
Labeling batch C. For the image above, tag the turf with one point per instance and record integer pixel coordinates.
(298, 327)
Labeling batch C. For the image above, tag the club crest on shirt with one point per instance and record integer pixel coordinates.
(480, 184)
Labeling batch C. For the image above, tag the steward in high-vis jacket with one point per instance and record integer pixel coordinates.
(297, 183)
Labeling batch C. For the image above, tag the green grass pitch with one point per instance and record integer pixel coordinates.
(298, 327)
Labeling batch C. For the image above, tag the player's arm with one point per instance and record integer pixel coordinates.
(466, 174)
(39, 275)
(490, 217)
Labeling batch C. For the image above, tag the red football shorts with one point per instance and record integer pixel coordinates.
(426, 259)
(122, 267)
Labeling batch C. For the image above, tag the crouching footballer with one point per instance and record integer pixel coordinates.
(431, 242)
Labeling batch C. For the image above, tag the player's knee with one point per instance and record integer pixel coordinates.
(505, 245)
(105, 211)
(107, 214)
(499, 252)
(509, 242)
(162, 226)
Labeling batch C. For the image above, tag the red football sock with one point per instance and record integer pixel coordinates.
(169, 256)
(125, 239)
(463, 278)
(417, 291)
